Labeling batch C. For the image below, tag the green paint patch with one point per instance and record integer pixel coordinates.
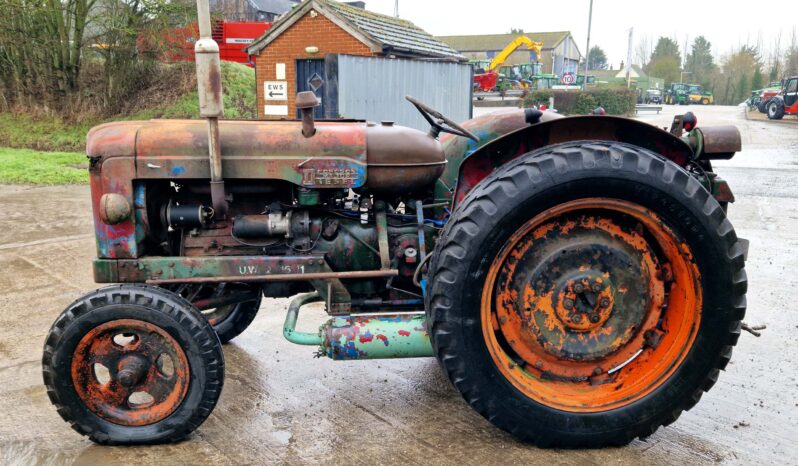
(25, 166)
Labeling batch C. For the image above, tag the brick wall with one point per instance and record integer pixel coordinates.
(290, 45)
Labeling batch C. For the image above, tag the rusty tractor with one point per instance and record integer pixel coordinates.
(576, 277)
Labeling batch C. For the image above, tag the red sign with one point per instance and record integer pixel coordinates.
(568, 78)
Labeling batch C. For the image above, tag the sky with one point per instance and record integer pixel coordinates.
(726, 24)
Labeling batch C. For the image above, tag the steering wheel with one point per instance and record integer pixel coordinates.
(439, 123)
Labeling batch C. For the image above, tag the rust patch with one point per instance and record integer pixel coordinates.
(138, 358)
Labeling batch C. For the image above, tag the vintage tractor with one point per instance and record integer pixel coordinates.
(576, 277)
(785, 102)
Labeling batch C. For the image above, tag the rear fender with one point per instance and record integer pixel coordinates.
(502, 150)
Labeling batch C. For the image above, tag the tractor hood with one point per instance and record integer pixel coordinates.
(178, 149)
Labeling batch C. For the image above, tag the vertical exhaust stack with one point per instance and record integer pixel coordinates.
(209, 84)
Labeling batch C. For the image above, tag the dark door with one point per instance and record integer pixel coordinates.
(310, 77)
(791, 92)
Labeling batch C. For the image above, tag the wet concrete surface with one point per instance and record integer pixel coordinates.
(280, 405)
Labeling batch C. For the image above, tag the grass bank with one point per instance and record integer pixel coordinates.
(53, 133)
(25, 166)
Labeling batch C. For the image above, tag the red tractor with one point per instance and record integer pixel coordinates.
(786, 103)
(577, 278)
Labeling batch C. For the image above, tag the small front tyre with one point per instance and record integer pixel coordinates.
(133, 364)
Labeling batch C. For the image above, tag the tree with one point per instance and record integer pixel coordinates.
(666, 47)
(737, 75)
(666, 68)
(597, 59)
(699, 62)
(665, 61)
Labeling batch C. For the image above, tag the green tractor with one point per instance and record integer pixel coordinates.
(677, 94)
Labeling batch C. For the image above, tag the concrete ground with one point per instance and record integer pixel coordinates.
(280, 405)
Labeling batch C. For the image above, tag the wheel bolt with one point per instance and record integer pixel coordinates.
(577, 318)
(579, 288)
(568, 303)
(596, 287)
(594, 318)
(605, 302)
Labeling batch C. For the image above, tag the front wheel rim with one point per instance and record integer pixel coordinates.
(591, 305)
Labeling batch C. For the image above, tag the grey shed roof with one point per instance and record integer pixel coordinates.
(277, 7)
(382, 33)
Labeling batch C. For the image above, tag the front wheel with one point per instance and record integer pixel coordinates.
(775, 110)
(586, 294)
(132, 364)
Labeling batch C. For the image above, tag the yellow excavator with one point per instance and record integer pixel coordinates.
(486, 81)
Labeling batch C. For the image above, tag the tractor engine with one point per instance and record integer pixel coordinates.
(278, 219)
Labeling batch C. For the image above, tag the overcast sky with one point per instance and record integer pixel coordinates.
(726, 24)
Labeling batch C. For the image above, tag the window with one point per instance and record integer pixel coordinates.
(792, 86)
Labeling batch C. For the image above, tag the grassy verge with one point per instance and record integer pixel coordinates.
(52, 133)
(25, 166)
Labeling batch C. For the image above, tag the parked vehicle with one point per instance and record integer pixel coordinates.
(786, 102)
(486, 74)
(677, 94)
(696, 94)
(576, 277)
(653, 96)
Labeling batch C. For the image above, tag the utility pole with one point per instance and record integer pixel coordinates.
(396, 8)
(587, 51)
(629, 60)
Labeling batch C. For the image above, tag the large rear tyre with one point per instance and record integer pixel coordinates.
(227, 320)
(775, 109)
(132, 364)
(586, 294)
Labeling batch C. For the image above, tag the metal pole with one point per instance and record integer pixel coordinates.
(209, 87)
(396, 8)
(629, 60)
(587, 50)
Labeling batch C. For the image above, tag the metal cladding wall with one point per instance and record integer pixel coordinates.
(374, 89)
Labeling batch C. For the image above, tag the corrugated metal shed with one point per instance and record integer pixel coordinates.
(374, 89)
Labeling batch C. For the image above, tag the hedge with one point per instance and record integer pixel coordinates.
(615, 100)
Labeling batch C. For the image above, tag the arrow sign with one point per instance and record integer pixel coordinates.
(275, 90)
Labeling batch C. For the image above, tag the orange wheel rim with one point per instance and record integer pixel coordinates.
(130, 372)
(591, 305)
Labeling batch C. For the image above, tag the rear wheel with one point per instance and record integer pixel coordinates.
(586, 294)
(228, 320)
(775, 109)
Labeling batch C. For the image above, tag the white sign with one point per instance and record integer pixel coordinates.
(275, 90)
(236, 40)
(279, 110)
(279, 71)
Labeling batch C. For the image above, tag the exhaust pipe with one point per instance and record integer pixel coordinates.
(209, 86)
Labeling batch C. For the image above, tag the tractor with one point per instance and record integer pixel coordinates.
(786, 102)
(696, 94)
(677, 94)
(577, 278)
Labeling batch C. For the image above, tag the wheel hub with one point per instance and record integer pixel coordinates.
(130, 372)
(576, 295)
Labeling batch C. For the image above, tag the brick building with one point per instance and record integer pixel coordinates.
(290, 57)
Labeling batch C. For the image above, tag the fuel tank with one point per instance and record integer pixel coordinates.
(377, 158)
(401, 159)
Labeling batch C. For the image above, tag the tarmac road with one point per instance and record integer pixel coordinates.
(280, 405)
